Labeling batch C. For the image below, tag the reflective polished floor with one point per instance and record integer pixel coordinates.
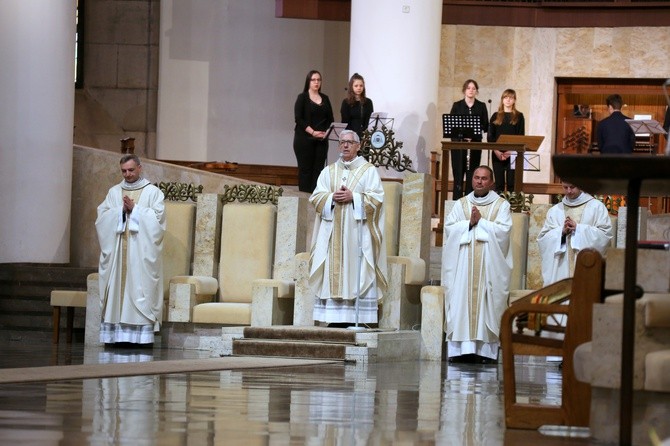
(400, 403)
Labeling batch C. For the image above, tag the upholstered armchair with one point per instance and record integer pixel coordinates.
(407, 210)
(249, 283)
(598, 363)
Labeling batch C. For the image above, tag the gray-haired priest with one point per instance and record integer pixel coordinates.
(348, 256)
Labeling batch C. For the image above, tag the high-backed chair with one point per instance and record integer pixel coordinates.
(242, 291)
(407, 211)
(177, 258)
(177, 244)
(519, 246)
(584, 290)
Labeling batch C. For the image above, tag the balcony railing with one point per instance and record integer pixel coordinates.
(524, 13)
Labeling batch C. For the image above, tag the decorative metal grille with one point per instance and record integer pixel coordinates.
(174, 191)
(252, 193)
(387, 152)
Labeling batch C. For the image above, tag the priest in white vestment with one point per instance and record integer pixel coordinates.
(579, 221)
(348, 256)
(476, 270)
(130, 228)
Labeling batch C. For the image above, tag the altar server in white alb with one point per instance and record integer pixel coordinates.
(579, 221)
(476, 269)
(130, 227)
(350, 217)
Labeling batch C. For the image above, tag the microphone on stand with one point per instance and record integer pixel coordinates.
(488, 152)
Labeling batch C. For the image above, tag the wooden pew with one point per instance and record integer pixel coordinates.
(585, 289)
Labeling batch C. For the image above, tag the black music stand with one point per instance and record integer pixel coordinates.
(333, 132)
(461, 127)
(380, 119)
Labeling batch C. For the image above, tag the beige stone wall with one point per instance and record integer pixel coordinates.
(529, 59)
(119, 98)
(94, 171)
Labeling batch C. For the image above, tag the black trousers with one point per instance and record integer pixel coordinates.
(503, 173)
(458, 168)
(311, 156)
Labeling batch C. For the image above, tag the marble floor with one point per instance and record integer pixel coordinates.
(400, 403)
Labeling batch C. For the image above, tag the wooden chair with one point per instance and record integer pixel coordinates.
(585, 289)
(68, 299)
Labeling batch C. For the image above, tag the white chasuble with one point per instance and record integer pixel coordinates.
(348, 256)
(131, 264)
(594, 230)
(476, 269)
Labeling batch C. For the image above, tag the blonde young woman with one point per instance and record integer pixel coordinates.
(506, 121)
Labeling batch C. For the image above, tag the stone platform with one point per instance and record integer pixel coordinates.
(370, 345)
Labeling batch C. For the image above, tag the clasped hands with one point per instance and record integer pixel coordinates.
(475, 216)
(343, 195)
(502, 156)
(569, 226)
(128, 204)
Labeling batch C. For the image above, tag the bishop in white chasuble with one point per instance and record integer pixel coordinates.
(348, 255)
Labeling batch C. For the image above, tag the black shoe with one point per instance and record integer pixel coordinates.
(464, 359)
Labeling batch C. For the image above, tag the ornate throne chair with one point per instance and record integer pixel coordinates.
(241, 289)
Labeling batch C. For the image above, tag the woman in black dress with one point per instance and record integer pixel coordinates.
(506, 121)
(313, 116)
(459, 162)
(356, 107)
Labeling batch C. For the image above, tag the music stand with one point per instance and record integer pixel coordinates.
(646, 126)
(531, 144)
(377, 118)
(460, 127)
(334, 131)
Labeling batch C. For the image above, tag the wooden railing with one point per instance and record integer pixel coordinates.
(259, 173)
(534, 13)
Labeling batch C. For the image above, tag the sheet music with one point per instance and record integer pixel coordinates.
(450, 122)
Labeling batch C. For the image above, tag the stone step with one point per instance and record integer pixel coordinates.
(312, 334)
(291, 349)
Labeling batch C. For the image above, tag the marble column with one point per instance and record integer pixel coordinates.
(36, 123)
(395, 46)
